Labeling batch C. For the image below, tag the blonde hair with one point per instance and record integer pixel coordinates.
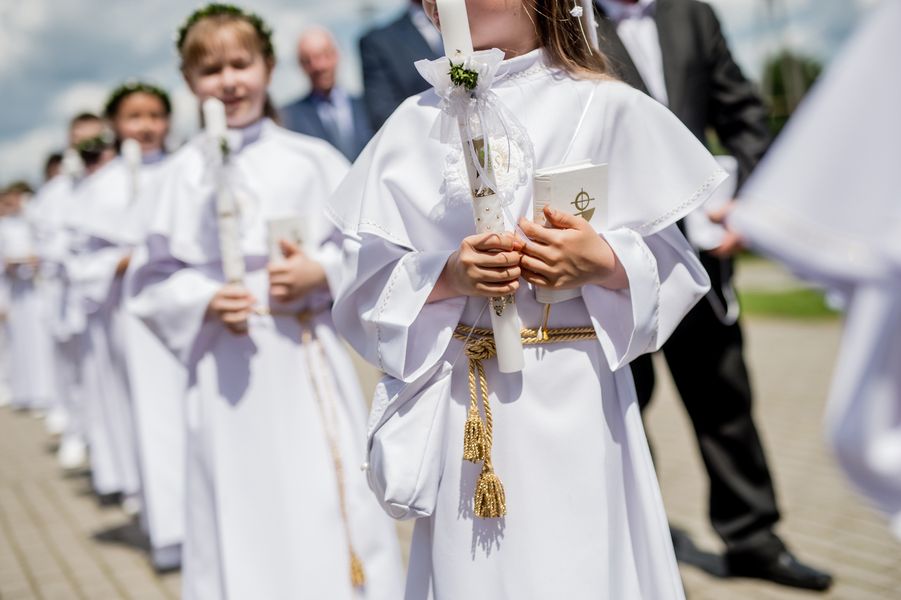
(561, 35)
(199, 40)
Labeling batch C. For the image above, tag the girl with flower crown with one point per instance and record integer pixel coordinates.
(122, 203)
(276, 506)
(103, 229)
(538, 483)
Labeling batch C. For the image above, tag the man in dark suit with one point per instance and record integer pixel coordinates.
(327, 112)
(674, 51)
(388, 54)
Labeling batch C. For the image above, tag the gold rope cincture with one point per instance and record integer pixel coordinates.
(490, 500)
(328, 412)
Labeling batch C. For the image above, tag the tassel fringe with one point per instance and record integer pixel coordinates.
(357, 575)
(490, 501)
(474, 441)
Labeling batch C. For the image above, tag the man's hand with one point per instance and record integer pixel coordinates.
(732, 242)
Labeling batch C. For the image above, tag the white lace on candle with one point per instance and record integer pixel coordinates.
(483, 115)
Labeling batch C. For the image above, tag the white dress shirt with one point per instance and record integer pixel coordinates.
(637, 29)
(426, 28)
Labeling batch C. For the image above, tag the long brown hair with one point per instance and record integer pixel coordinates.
(564, 41)
(199, 40)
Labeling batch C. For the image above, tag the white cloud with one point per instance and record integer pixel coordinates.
(83, 96)
(22, 157)
(19, 22)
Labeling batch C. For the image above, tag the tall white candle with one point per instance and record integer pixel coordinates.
(455, 33)
(131, 154)
(226, 206)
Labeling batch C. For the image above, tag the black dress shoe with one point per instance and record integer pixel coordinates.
(783, 568)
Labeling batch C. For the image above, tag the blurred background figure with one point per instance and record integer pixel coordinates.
(327, 112)
(30, 348)
(53, 166)
(388, 53)
(831, 212)
(652, 46)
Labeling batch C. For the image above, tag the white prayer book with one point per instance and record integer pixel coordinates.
(289, 229)
(579, 189)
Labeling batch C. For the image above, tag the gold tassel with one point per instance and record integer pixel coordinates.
(357, 575)
(474, 442)
(490, 501)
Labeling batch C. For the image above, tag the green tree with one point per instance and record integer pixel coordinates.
(787, 77)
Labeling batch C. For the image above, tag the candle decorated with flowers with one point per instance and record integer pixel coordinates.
(487, 206)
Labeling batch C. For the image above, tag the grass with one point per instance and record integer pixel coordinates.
(791, 304)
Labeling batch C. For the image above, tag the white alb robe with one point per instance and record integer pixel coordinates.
(53, 205)
(585, 517)
(263, 517)
(157, 381)
(30, 347)
(100, 239)
(826, 202)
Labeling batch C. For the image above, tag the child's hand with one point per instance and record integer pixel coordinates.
(486, 264)
(569, 256)
(295, 276)
(232, 304)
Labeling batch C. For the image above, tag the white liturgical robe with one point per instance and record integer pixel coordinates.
(102, 236)
(826, 202)
(263, 512)
(584, 514)
(30, 352)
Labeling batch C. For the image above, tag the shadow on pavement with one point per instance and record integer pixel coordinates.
(128, 534)
(687, 553)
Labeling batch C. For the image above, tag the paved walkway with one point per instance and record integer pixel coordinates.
(57, 542)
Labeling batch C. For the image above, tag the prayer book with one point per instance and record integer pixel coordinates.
(579, 189)
(289, 229)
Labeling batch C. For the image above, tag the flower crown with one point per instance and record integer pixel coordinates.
(134, 87)
(216, 9)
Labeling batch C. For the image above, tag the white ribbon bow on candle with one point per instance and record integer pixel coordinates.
(483, 115)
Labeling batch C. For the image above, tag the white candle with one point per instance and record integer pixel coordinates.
(214, 122)
(226, 206)
(131, 154)
(506, 326)
(454, 24)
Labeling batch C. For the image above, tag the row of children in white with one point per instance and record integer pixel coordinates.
(536, 483)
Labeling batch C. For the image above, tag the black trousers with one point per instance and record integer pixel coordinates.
(706, 360)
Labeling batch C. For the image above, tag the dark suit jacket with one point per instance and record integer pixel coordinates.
(301, 116)
(704, 85)
(705, 88)
(389, 77)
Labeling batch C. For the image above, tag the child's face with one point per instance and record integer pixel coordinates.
(235, 75)
(142, 117)
(504, 24)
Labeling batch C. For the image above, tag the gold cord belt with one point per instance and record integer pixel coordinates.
(478, 433)
(328, 411)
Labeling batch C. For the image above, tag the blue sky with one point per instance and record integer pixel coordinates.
(59, 57)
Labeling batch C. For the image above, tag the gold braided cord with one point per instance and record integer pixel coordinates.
(327, 410)
(490, 499)
(530, 337)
